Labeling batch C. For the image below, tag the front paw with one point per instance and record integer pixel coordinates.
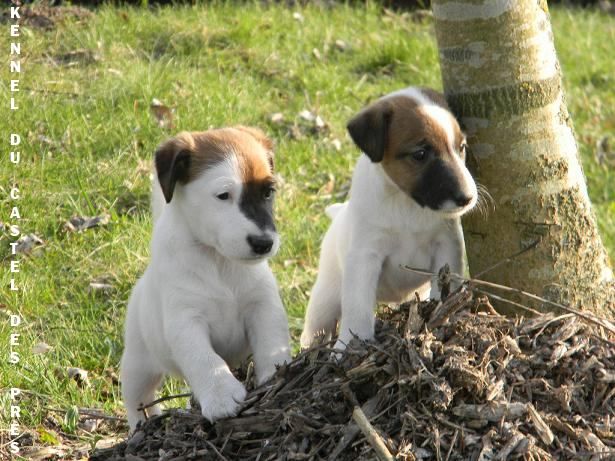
(223, 399)
(349, 340)
(345, 337)
(265, 371)
(307, 338)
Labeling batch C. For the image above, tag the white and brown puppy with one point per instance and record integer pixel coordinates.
(408, 192)
(208, 297)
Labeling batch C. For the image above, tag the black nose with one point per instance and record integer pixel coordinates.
(462, 199)
(260, 245)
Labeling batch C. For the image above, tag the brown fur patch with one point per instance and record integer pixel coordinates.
(185, 157)
(251, 147)
(408, 128)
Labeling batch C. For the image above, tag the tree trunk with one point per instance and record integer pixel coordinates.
(502, 79)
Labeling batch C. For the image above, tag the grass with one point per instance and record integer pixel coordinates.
(88, 138)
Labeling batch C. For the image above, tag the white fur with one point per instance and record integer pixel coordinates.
(372, 236)
(204, 303)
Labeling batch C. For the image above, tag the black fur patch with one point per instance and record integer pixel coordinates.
(437, 184)
(172, 165)
(255, 205)
(370, 131)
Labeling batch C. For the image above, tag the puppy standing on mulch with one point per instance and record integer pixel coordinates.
(407, 195)
(208, 297)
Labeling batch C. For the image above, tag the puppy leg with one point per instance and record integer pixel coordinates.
(324, 307)
(213, 384)
(359, 287)
(267, 327)
(140, 379)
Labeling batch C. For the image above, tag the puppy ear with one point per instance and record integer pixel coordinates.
(173, 159)
(369, 130)
(262, 138)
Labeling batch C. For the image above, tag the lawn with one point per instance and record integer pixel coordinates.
(88, 136)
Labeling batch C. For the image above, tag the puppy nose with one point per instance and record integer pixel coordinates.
(260, 244)
(462, 199)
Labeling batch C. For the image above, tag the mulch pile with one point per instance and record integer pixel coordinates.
(454, 381)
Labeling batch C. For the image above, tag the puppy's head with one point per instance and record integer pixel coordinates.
(222, 182)
(421, 148)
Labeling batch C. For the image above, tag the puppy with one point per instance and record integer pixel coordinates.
(208, 298)
(407, 195)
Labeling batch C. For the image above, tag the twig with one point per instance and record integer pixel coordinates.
(474, 281)
(164, 399)
(457, 427)
(452, 445)
(508, 259)
(90, 414)
(371, 435)
(213, 447)
(584, 315)
(512, 303)
(351, 430)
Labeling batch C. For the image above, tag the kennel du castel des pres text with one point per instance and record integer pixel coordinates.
(12, 220)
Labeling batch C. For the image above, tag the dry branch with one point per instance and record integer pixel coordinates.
(371, 435)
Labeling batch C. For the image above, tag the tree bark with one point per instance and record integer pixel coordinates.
(502, 79)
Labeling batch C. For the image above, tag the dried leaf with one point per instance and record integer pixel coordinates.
(80, 224)
(27, 243)
(48, 437)
(307, 115)
(41, 348)
(162, 113)
(79, 375)
(89, 425)
(341, 45)
(101, 287)
(277, 118)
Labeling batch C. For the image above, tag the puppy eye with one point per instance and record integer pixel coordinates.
(419, 154)
(223, 196)
(462, 148)
(268, 193)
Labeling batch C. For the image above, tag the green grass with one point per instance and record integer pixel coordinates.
(89, 137)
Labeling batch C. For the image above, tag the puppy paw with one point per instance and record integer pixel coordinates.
(348, 340)
(264, 371)
(223, 399)
(340, 346)
(307, 337)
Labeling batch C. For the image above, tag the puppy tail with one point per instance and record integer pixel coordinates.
(333, 210)
(158, 202)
